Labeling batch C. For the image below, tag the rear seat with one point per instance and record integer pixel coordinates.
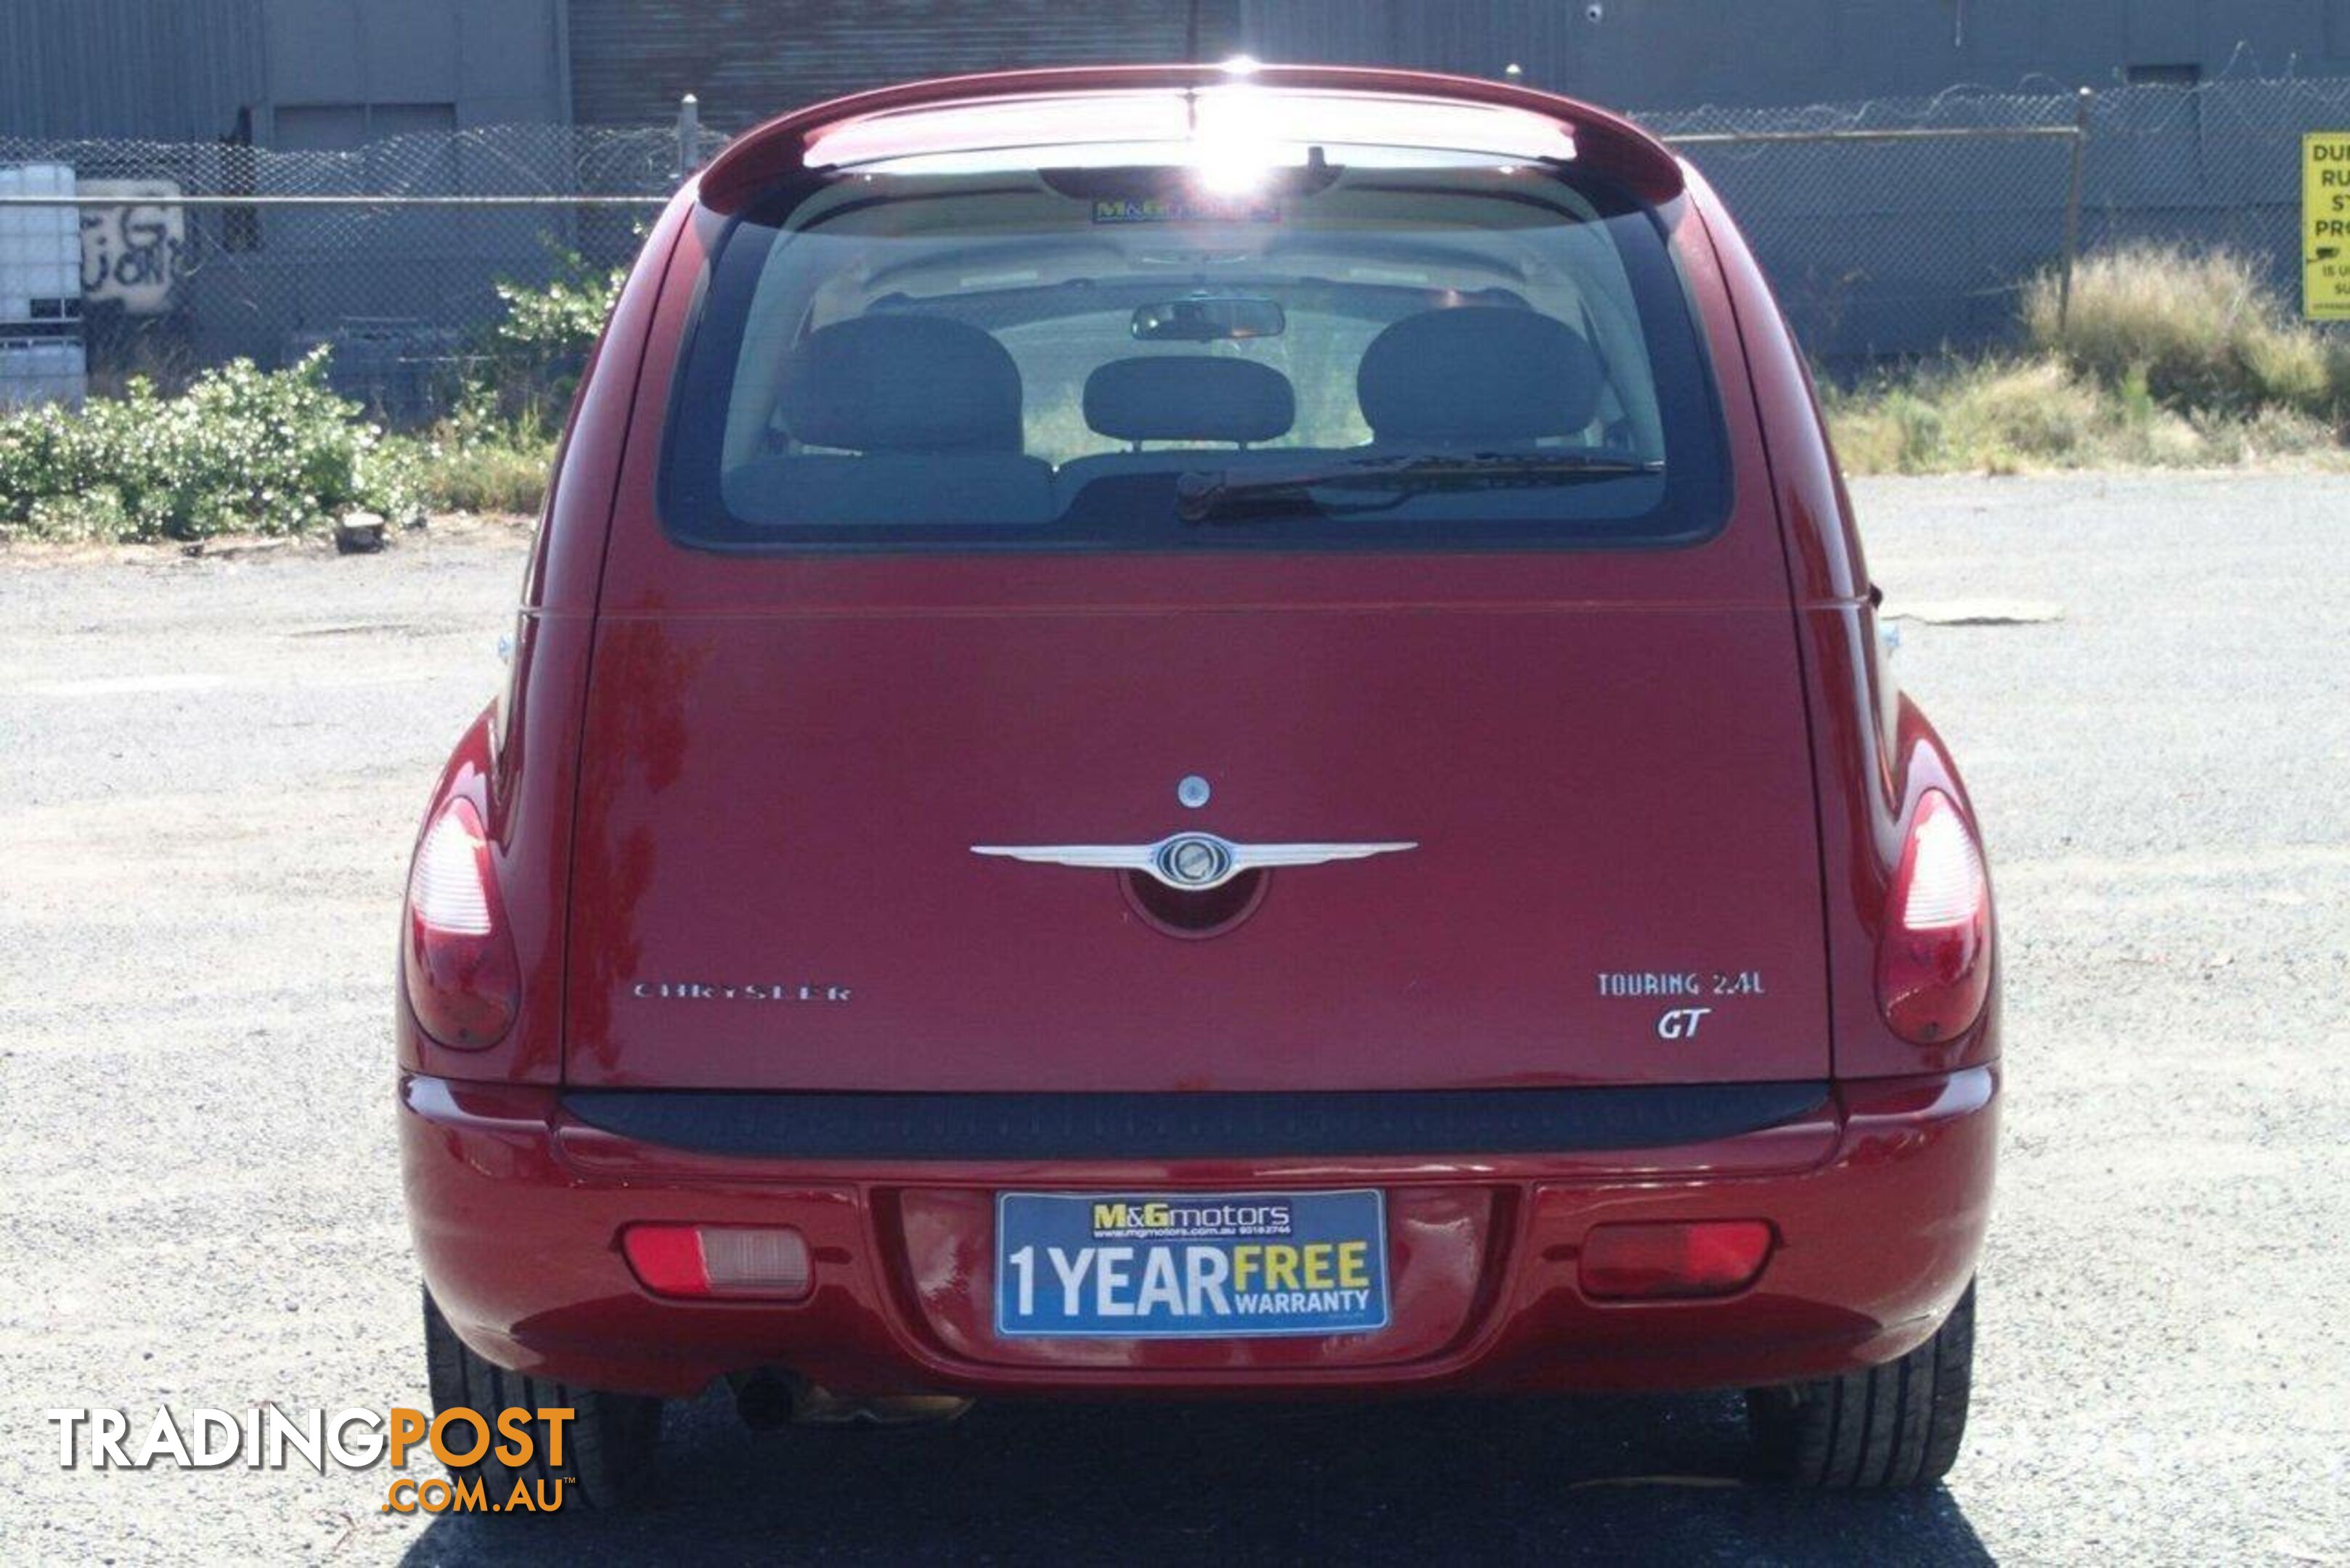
(1193, 398)
(931, 407)
(1477, 376)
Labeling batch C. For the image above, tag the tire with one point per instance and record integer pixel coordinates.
(607, 1444)
(1881, 1428)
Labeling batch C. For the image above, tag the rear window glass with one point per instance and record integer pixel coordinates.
(1359, 354)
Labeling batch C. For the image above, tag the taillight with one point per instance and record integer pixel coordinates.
(459, 960)
(1663, 1260)
(1933, 961)
(719, 1260)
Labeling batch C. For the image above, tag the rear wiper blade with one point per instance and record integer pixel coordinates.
(1223, 495)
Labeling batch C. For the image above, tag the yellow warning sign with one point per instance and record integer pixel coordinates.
(2326, 225)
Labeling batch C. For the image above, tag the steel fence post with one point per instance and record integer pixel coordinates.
(2080, 107)
(689, 135)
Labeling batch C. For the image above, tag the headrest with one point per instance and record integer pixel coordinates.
(901, 383)
(1478, 372)
(1189, 396)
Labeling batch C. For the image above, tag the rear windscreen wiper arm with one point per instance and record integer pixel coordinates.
(1211, 497)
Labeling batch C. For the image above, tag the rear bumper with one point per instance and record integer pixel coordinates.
(1877, 1195)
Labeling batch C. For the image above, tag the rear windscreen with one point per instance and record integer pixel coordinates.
(1357, 356)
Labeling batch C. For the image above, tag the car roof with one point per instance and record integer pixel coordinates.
(1044, 115)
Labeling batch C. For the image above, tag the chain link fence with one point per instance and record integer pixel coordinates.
(1900, 227)
(1891, 228)
(187, 256)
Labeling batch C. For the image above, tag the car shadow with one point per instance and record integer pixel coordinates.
(1645, 1480)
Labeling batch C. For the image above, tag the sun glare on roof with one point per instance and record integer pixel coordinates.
(1233, 143)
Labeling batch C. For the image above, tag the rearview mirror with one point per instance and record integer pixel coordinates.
(1210, 318)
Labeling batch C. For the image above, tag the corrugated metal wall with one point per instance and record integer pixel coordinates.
(179, 71)
(632, 59)
(1672, 54)
(1473, 37)
(161, 70)
(492, 62)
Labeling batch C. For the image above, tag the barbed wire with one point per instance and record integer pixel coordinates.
(1884, 243)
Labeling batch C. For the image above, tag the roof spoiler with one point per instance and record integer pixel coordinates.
(1604, 143)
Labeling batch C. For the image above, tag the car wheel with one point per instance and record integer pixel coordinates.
(1879, 1429)
(607, 1444)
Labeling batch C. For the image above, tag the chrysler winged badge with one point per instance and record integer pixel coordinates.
(1189, 862)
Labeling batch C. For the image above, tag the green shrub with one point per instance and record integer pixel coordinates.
(96, 513)
(241, 450)
(529, 362)
(492, 452)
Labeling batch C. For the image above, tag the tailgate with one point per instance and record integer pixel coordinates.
(1615, 877)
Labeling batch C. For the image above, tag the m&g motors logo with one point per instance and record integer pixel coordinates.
(269, 1438)
(1157, 1218)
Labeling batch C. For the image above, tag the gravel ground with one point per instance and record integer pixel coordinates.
(210, 770)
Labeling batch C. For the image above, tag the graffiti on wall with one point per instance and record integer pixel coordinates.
(133, 254)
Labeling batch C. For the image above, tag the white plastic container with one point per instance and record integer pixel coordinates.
(42, 358)
(42, 370)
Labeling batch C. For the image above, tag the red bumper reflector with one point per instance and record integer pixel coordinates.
(1659, 1262)
(726, 1261)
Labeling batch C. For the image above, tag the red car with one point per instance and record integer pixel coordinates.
(1193, 731)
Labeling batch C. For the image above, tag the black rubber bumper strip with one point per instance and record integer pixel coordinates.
(1189, 1125)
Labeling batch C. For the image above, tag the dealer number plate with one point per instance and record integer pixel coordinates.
(1119, 1265)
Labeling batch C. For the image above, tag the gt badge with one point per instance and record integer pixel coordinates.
(1681, 1022)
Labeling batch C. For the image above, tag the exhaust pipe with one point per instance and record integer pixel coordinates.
(764, 1401)
(767, 1399)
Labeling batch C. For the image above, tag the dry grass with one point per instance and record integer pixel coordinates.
(487, 478)
(2169, 358)
(2199, 327)
(2033, 414)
